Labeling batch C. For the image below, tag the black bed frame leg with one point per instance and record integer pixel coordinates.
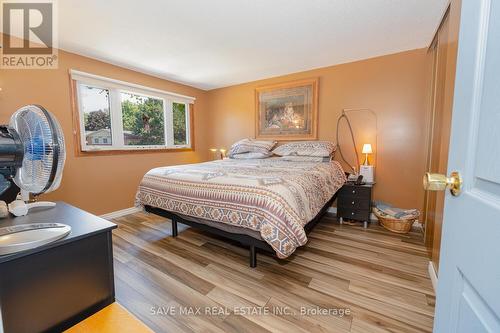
(174, 227)
(253, 256)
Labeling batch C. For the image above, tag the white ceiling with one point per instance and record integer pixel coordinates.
(217, 43)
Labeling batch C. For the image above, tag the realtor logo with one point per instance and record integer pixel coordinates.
(29, 38)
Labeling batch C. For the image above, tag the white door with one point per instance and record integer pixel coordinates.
(468, 293)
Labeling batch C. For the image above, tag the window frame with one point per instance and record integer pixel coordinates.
(115, 88)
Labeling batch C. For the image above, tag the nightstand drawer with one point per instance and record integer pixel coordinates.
(355, 191)
(353, 203)
(355, 214)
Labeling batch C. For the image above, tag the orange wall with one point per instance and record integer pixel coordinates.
(394, 86)
(99, 184)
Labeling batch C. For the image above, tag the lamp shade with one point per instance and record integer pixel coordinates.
(367, 149)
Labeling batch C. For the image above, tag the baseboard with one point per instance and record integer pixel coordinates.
(333, 211)
(433, 276)
(120, 213)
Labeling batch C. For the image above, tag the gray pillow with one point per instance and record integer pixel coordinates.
(251, 146)
(295, 158)
(306, 148)
(251, 155)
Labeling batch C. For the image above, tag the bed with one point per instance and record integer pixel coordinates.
(267, 204)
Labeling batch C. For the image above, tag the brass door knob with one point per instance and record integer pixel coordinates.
(439, 182)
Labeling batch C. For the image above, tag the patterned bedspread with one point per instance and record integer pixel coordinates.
(274, 197)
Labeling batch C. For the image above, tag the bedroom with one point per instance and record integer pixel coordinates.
(201, 187)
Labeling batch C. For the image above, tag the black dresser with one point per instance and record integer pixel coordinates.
(354, 202)
(53, 287)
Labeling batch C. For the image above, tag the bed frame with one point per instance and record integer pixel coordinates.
(245, 240)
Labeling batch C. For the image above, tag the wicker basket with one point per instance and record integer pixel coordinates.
(400, 226)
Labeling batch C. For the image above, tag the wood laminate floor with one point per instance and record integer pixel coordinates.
(380, 277)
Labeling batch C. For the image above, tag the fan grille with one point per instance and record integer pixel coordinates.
(44, 150)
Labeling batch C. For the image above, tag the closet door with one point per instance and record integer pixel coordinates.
(428, 224)
(444, 56)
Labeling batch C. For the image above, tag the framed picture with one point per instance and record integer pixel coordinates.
(287, 111)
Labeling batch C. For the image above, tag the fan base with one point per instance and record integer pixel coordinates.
(29, 236)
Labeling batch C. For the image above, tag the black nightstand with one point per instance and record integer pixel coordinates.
(355, 202)
(61, 283)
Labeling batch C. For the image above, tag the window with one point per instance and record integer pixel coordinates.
(96, 116)
(143, 120)
(179, 111)
(116, 115)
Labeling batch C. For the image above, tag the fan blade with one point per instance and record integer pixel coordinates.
(35, 149)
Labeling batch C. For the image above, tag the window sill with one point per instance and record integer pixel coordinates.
(109, 152)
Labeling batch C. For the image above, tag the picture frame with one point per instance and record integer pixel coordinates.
(287, 111)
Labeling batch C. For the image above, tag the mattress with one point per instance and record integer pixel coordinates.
(272, 197)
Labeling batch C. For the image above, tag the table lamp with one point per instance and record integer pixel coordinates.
(367, 149)
(366, 169)
(213, 155)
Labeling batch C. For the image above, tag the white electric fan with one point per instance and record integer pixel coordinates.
(32, 155)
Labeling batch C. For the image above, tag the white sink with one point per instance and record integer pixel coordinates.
(28, 236)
